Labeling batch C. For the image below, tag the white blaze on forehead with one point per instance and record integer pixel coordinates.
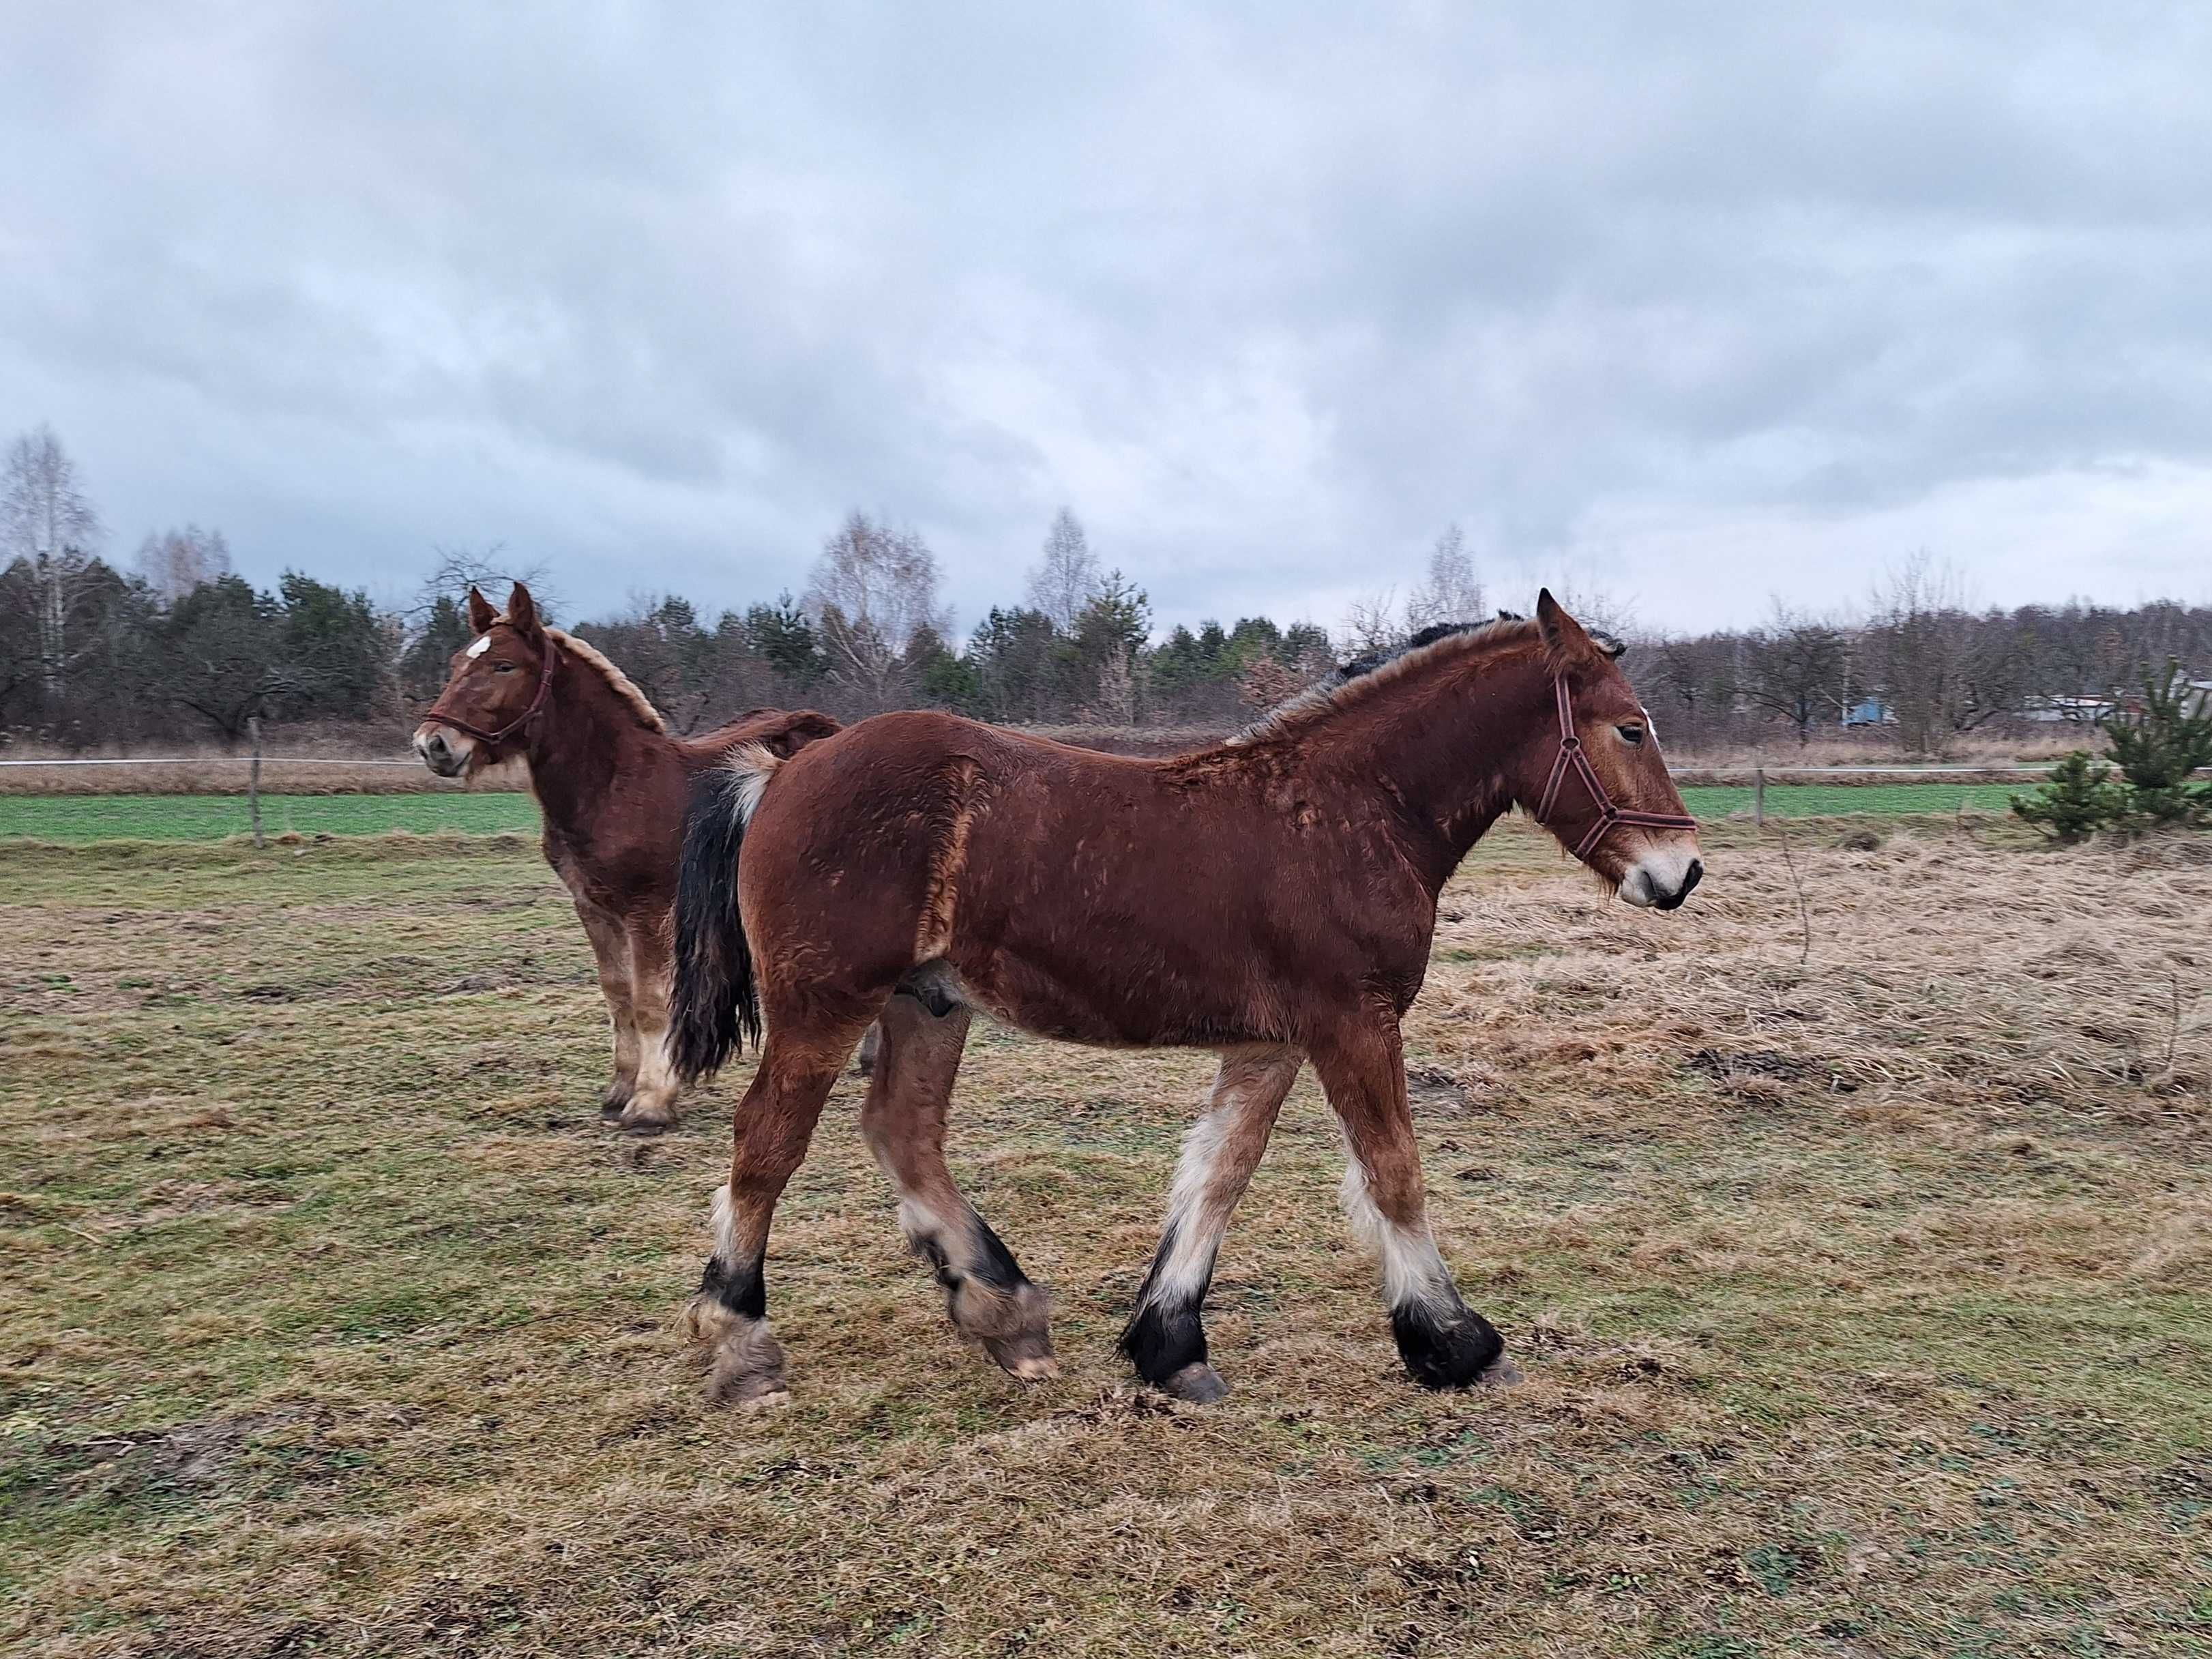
(479, 647)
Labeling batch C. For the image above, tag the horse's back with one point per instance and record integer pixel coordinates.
(782, 731)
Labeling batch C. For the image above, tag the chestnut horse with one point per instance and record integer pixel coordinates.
(611, 784)
(1271, 898)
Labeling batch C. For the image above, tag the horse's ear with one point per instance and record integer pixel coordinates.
(1564, 637)
(522, 612)
(481, 615)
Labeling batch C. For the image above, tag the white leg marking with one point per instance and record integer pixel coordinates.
(1195, 1223)
(723, 1217)
(1413, 1268)
(1218, 1155)
(918, 1218)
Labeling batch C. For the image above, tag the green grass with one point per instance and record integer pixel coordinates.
(212, 817)
(77, 818)
(1823, 800)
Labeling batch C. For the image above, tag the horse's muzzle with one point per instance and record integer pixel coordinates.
(439, 753)
(1662, 883)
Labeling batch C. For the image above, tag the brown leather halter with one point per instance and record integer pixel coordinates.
(537, 703)
(1608, 816)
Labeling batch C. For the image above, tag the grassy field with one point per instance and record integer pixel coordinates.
(1862, 1269)
(211, 817)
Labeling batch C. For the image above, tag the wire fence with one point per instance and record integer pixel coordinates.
(215, 760)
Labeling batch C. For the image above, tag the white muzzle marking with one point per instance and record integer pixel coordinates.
(1658, 876)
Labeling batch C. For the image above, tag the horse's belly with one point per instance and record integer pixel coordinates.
(1112, 1004)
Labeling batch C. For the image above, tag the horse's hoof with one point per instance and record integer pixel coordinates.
(1200, 1383)
(744, 1362)
(1036, 1368)
(1027, 1357)
(634, 1122)
(1503, 1373)
(1456, 1351)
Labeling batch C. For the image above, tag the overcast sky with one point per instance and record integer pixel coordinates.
(1691, 305)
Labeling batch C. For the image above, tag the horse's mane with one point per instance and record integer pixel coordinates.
(1360, 678)
(617, 682)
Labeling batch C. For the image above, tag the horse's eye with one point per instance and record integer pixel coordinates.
(502, 668)
(1631, 735)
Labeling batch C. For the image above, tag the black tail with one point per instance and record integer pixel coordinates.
(714, 1006)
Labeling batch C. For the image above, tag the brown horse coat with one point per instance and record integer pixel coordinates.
(1271, 898)
(612, 786)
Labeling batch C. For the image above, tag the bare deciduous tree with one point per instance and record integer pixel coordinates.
(1943, 670)
(1452, 593)
(1116, 703)
(1370, 624)
(1596, 606)
(175, 561)
(47, 521)
(492, 570)
(871, 590)
(1794, 667)
(1065, 579)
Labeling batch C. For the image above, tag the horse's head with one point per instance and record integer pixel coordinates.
(497, 681)
(1591, 772)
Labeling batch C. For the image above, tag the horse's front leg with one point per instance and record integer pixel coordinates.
(611, 951)
(651, 1105)
(1164, 1340)
(1444, 1343)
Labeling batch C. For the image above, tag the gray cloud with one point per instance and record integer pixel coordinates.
(1691, 311)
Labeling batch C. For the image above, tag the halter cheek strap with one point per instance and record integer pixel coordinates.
(537, 704)
(1571, 758)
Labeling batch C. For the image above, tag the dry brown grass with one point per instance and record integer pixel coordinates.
(1864, 1300)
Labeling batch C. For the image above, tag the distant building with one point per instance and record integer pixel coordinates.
(1869, 711)
(2067, 710)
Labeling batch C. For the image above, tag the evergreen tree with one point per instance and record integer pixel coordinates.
(782, 635)
(2077, 800)
(2159, 747)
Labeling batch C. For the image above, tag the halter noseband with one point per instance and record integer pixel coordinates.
(1609, 815)
(537, 703)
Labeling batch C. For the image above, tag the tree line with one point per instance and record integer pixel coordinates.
(177, 646)
(1920, 667)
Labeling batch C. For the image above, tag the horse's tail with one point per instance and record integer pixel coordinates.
(714, 1006)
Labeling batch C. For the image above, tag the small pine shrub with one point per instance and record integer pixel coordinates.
(2159, 748)
(2078, 799)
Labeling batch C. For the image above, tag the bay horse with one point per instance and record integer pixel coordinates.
(1271, 898)
(611, 784)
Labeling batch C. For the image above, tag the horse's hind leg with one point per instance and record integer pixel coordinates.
(1164, 1339)
(987, 1294)
(1444, 1343)
(774, 1122)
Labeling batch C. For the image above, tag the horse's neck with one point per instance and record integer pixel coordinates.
(1442, 744)
(585, 740)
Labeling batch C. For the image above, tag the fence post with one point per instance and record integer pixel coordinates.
(1759, 796)
(253, 781)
